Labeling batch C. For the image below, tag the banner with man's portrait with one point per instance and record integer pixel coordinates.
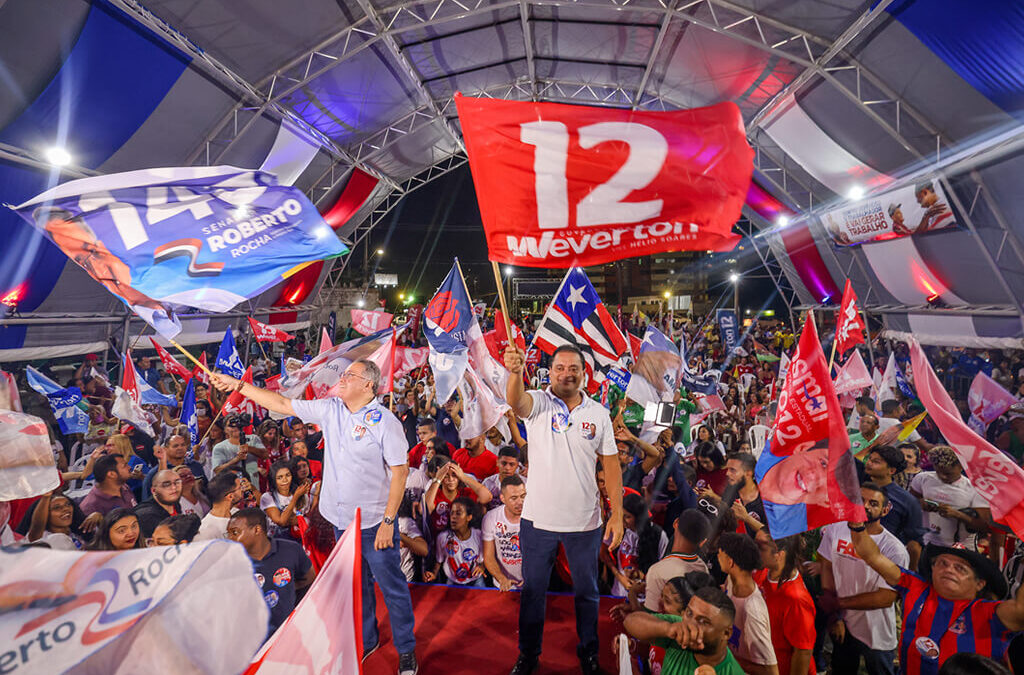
(912, 209)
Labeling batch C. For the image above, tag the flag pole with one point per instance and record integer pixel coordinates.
(504, 304)
(832, 358)
(867, 336)
(190, 357)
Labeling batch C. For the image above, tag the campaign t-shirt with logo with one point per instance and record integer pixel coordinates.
(751, 638)
(505, 535)
(443, 507)
(874, 627)
(408, 527)
(277, 574)
(462, 561)
(626, 559)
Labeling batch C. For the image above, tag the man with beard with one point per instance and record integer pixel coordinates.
(173, 454)
(866, 624)
(741, 493)
(166, 491)
(569, 433)
(698, 638)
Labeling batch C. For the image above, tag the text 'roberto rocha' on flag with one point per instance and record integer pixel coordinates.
(205, 237)
(112, 611)
(806, 474)
(565, 185)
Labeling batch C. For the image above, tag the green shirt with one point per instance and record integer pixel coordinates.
(633, 415)
(858, 443)
(683, 410)
(682, 661)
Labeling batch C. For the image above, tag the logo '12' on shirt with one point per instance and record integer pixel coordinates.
(588, 430)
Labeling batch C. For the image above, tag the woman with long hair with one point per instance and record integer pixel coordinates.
(118, 531)
(643, 544)
(710, 469)
(51, 523)
(460, 547)
(285, 500)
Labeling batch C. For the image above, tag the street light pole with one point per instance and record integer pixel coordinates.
(735, 279)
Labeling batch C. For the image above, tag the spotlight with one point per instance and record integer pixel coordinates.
(380, 251)
(58, 156)
(856, 192)
(734, 277)
(782, 220)
(360, 302)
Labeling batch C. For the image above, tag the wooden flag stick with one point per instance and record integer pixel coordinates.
(191, 358)
(504, 304)
(831, 359)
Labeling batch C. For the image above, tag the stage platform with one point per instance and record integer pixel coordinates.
(474, 631)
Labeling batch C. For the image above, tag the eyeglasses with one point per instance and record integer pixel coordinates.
(711, 508)
(347, 374)
(169, 483)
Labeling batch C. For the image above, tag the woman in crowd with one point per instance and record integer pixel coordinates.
(192, 498)
(449, 483)
(285, 501)
(118, 531)
(51, 523)
(643, 544)
(460, 548)
(180, 529)
(710, 469)
(912, 454)
(122, 445)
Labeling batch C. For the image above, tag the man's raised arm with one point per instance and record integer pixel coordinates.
(868, 551)
(270, 400)
(515, 392)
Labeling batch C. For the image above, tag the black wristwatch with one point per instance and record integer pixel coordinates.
(857, 529)
(388, 520)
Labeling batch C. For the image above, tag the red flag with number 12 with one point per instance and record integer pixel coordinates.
(849, 325)
(565, 185)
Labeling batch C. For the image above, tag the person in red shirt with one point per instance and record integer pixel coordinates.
(299, 449)
(476, 459)
(425, 430)
(449, 483)
(790, 607)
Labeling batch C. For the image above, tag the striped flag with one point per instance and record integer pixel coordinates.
(577, 317)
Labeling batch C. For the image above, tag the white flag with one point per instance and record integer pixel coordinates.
(27, 468)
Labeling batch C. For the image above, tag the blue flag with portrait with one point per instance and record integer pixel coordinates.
(447, 318)
(204, 237)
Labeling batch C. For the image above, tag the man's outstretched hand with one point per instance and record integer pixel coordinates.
(223, 382)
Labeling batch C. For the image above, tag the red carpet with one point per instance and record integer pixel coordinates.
(475, 632)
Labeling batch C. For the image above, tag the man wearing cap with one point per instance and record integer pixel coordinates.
(936, 214)
(945, 607)
(898, 227)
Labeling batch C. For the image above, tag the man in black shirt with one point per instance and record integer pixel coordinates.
(904, 515)
(282, 567)
(742, 494)
(165, 492)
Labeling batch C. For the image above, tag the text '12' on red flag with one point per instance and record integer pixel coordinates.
(805, 474)
(849, 325)
(564, 185)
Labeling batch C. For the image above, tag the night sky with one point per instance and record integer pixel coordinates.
(441, 221)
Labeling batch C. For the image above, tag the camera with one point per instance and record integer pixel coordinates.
(239, 421)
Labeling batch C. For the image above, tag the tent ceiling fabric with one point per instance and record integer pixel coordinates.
(896, 88)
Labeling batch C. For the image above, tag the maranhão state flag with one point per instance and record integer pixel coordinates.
(849, 325)
(805, 473)
(993, 474)
(266, 333)
(566, 185)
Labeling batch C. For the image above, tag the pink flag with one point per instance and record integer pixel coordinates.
(993, 474)
(987, 400)
(171, 364)
(267, 333)
(10, 399)
(366, 322)
(402, 360)
(708, 404)
(325, 341)
(853, 375)
(324, 634)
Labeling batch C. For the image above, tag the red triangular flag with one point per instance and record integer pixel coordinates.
(199, 373)
(128, 381)
(171, 364)
(849, 324)
(267, 333)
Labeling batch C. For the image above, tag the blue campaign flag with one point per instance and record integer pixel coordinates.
(447, 318)
(188, 412)
(70, 417)
(45, 386)
(619, 377)
(150, 396)
(656, 369)
(691, 381)
(729, 328)
(901, 382)
(227, 357)
(205, 237)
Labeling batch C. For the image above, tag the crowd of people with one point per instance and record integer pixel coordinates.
(927, 584)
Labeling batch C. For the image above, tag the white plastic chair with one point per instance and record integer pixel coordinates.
(757, 436)
(747, 379)
(693, 432)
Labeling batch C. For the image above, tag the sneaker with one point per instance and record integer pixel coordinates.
(589, 665)
(367, 652)
(407, 664)
(525, 665)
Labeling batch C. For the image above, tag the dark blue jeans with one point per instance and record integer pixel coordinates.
(539, 550)
(386, 568)
(846, 658)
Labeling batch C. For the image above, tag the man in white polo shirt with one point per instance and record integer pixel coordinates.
(569, 433)
(365, 467)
